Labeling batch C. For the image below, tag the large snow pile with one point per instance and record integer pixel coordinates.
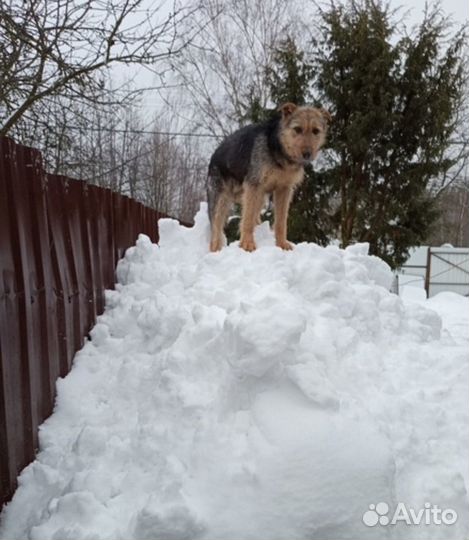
(267, 395)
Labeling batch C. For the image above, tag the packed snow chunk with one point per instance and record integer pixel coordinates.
(359, 263)
(255, 396)
(156, 522)
(257, 336)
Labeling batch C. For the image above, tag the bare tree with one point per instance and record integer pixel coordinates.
(225, 67)
(458, 149)
(172, 174)
(451, 190)
(453, 223)
(60, 48)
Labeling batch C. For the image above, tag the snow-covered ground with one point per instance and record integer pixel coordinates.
(267, 395)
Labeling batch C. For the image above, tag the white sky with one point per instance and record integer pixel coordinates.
(459, 9)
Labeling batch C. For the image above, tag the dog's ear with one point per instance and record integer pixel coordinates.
(326, 115)
(287, 109)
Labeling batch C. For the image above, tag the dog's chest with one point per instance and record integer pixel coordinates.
(276, 177)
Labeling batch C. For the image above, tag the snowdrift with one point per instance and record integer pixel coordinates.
(264, 396)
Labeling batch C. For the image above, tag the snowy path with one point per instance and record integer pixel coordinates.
(253, 396)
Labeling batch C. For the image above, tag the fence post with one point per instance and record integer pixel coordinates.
(428, 272)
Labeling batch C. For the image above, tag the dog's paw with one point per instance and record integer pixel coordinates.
(284, 244)
(216, 245)
(247, 244)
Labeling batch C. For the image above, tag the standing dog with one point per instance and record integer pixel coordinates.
(258, 160)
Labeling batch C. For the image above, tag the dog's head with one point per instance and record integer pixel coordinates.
(303, 131)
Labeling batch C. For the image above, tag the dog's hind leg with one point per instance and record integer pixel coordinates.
(220, 203)
(219, 206)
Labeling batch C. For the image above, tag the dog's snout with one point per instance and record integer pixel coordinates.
(307, 155)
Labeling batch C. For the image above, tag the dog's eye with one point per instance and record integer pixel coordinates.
(316, 131)
(298, 130)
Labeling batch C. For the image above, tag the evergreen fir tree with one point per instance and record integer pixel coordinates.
(395, 104)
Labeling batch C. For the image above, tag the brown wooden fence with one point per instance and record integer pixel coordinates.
(60, 240)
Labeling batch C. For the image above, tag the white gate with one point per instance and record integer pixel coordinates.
(447, 270)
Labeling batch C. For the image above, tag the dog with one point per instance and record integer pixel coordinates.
(259, 160)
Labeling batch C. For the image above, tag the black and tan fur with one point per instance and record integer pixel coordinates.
(259, 160)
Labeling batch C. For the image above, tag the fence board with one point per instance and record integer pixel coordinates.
(16, 431)
(11, 436)
(49, 352)
(62, 278)
(60, 240)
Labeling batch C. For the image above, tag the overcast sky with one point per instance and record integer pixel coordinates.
(457, 8)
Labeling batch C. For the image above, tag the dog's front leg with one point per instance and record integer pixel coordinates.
(253, 200)
(282, 198)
